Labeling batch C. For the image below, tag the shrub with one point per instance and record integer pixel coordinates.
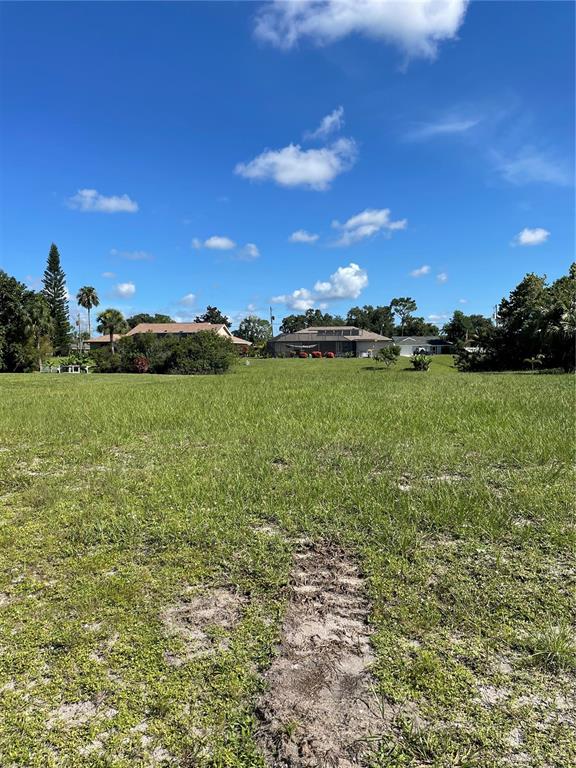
(141, 364)
(330, 355)
(420, 362)
(203, 352)
(105, 361)
(388, 355)
(316, 354)
(303, 354)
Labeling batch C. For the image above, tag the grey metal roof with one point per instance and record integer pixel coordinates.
(420, 341)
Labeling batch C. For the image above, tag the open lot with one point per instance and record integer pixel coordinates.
(154, 539)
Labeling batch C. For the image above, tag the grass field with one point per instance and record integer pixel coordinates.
(124, 499)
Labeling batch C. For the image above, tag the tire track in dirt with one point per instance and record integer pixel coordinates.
(320, 708)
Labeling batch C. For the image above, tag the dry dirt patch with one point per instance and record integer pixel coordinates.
(203, 622)
(320, 708)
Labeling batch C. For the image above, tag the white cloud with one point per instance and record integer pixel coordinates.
(442, 277)
(302, 236)
(366, 224)
(218, 243)
(462, 301)
(533, 166)
(420, 271)
(416, 27)
(293, 166)
(528, 236)
(125, 290)
(108, 275)
(188, 300)
(328, 125)
(89, 200)
(249, 252)
(346, 283)
(438, 318)
(445, 127)
(132, 255)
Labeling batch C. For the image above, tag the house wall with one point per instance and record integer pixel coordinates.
(365, 346)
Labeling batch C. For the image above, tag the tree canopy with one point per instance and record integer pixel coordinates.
(376, 319)
(403, 307)
(254, 329)
(87, 298)
(463, 328)
(111, 321)
(145, 317)
(213, 315)
(535, 322)
(54, 290)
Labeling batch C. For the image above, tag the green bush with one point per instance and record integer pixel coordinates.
(199, 353)
(105, 361)
(420, 362)
(388, 355)
(202, 352)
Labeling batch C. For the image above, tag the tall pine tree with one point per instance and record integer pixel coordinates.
(54, 281)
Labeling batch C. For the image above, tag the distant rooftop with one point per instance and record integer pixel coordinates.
(172, 328)
(420, 340)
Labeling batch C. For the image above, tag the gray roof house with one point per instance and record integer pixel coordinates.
(339, 339)
(428, 345)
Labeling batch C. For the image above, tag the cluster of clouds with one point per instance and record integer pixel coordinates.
(125, 290)
(425, 269)
(345, 283)
(312, 168)
(293, 166)
(367, 224)
(91, 201)
(132, 255)
(362, 226)
(248, 252)
(531, 165)
(528, 236)
(416, 27)
(486, 130)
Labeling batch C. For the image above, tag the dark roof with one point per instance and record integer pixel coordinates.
(420, 340)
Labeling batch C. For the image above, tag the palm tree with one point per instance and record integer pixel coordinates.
(87, 298)
(39, 324)
(111, 321)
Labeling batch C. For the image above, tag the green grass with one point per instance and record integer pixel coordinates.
(119, 493)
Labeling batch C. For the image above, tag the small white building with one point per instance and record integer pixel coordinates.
(424, 345)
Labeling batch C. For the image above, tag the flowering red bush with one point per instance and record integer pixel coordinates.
(316, 354)
(331, 355)
(141, 364)
(302, 354)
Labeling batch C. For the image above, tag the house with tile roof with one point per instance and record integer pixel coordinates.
(173, 329)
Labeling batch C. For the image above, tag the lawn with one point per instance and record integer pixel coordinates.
(148, 533)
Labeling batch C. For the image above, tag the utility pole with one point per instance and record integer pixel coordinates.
(78, 337)
(272, 318)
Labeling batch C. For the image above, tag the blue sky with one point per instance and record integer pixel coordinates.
(172, 151)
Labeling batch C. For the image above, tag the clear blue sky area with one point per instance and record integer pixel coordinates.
(246, 154)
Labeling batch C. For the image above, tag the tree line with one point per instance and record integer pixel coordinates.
(394, 319)
(534, 327)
